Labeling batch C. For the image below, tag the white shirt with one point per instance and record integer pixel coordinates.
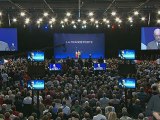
(157, 43)
(99, 117)
(143, 46)
(98, 68)
(27, 100)
(66, 110)
(4, 46)
(35, 99)
(5, 77)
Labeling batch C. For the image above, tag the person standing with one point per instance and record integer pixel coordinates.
(153, 107)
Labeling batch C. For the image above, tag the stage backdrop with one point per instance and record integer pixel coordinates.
(79, 45)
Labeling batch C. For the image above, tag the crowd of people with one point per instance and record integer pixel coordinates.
(77, 92)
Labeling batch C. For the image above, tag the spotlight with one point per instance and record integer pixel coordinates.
(117, 19)
(143, 18)
(97, 26)
(68, 14)
(120, 21)
(158, 12)
(136, 13)
(96, 21)
(53, 19)
(38, 22)
(84, 22)
(73, 22)
(107, 21)
(65, 20)
(14, 20)
(62, 22)
(90, 14)
(74, 26)
(45, 14)
(84, 26)
(104, 19)
(40, 19)
(79, 20)
(113, 13)
(22, 14)
(62, 26)
(92, 19)
(108, 26)
(51, 26)
(130, 18)
(131, 21)
(50, 22)
(158, 21)
(0, 13)
(27, 20)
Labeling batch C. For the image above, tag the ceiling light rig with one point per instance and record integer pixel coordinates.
(136, 13)
(96, 22)
(84, 22)
(45, 14)
(104, 19)
(73, 22)
(90, 14)
(65, 19)
(113, 13)
(130, 19)
(68, 14)
(143, 18)
(27, 21)
(14, 20)
(22, 14)
(92, 19)
(68, 20)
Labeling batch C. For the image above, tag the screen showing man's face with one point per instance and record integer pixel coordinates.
(157, 35)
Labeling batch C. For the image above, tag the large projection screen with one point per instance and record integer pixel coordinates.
(150, 38)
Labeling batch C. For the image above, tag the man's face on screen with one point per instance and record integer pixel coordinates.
(157, 35)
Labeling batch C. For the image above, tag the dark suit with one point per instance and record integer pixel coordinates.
(152, 45)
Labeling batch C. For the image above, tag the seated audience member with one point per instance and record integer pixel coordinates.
(125, 115)
(112, 116)
(140, 116)
(99, 115)
(27, 105)
(86, 116)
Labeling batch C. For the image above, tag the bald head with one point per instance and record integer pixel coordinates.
(157, 34)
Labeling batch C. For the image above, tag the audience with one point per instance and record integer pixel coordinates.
(76, 92)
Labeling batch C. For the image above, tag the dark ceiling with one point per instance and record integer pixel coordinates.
(86, 5)
(101, 8)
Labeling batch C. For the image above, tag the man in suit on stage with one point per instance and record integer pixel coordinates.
(155, 44)
(4, 46)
